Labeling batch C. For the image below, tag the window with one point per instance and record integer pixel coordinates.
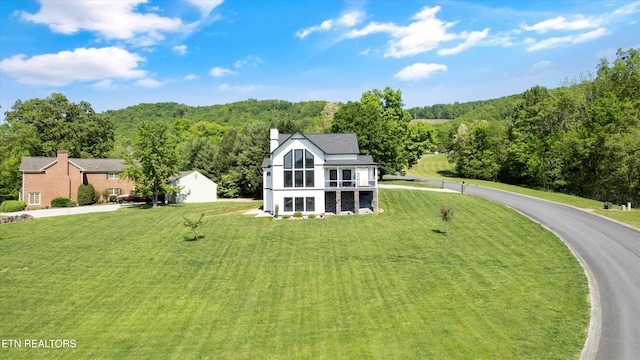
(298, 153)
(308, 176)
(288, 204)
(114, 191)
(288, 178)
(299, 159)
(346, 177)
(299, 178)
(333, 177)
(311, 204)
(34, 198)
(287, 160)
(112, 176)
(300, 204)
(308, 159)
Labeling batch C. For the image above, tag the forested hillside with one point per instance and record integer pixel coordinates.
(582, 138)
(307, 115)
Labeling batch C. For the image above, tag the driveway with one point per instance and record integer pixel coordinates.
(67, 211)
(608, 251)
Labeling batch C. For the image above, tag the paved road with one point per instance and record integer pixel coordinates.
(609, 252)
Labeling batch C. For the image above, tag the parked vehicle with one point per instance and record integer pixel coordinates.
(139, 198)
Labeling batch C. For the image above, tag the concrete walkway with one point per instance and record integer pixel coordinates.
(389, 186)
(67, 211)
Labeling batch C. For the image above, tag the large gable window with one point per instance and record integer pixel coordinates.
(298, 165)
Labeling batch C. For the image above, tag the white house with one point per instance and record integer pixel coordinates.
(195, 188)
(318, 173)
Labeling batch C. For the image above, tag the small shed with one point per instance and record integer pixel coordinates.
(196, 188)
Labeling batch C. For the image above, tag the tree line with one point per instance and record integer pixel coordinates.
(582, 138)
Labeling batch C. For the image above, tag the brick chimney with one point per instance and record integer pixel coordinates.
(63, 158)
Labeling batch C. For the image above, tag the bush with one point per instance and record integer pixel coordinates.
(12, 205)
(277, 210)
(311, 216)
(297, 214)
(286, 216)
(87, 195)
(62, 202)
(113, 198)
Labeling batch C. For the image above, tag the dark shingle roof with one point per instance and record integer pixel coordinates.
(330, 143)
(361, 160)
(39, 164)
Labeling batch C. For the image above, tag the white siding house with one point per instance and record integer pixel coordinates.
(196, 188)
(318, 174)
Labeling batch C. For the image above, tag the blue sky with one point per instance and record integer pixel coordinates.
(119, 53)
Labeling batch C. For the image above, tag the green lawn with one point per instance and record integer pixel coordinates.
(437, 167)
(388, 286)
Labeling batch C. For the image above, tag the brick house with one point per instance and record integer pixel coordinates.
(46, 178)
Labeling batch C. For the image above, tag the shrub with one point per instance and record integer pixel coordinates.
(62, 202)
(311, 216)
(297, 214)
(276, 212)
(12, 206)
(87, 195)
(113, 198)
(286, 216)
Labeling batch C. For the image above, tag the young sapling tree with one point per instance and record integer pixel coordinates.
(447, 214)
(193, 225)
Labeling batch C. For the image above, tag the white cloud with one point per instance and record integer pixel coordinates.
(542, 65)
(205, 6)
(113, 20)
(628, 9)
(83, 64)
(250, 60)
(578, 22)
(149, 83)
(105, 84)
(221, 72)
(191, 77)
(471, 39)
(425, 33)
(419, 71)
(565, 40)
(239, 88)
(180, 49)
(348, 19)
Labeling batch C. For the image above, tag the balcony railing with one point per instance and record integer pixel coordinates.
(348, 184)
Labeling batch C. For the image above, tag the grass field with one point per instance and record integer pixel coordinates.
(127, 284)
(437, 167)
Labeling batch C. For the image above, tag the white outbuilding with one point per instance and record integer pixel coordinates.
(196, 188)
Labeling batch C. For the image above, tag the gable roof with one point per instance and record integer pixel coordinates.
(40, 164)
(330, 144)
(179, 175)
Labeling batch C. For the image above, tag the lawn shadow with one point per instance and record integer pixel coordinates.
(191, 238)
(437, 231)
(447, 173)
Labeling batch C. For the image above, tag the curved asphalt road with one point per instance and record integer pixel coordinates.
(610, 254)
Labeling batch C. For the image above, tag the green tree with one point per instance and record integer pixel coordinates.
(382, 129)
(154, 159)
(61, 124)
